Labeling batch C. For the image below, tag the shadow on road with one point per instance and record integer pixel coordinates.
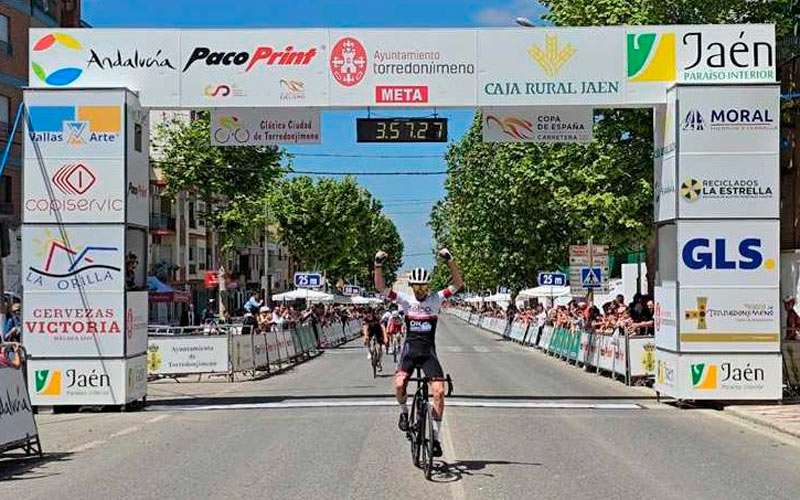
(455, 471)
(20, 467)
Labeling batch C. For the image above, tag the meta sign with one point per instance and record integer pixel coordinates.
(552, 279)
(308, 280)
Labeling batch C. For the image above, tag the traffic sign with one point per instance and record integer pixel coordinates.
(552, 279)
(307, 280)
(591, 277)
(583, 257)
(352, 290)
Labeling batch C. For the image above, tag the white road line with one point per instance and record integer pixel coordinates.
(125, 432)
(481, 348)
(87, 446)
(543, 405)
(456, 487)
(159, 418)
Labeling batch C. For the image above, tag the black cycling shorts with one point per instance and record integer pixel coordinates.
(416, 356)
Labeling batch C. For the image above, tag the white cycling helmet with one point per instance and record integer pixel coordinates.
(419, 276)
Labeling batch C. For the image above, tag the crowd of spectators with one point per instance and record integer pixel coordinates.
(634, 318)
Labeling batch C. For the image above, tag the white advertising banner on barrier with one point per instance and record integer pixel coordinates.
(73, 257)
(719, 119)
(265, 126)
(402, 67)
(242, 355)
(136, 319)
(728, 253)
(78, 125)
(266, 68)
(409, 67)
(665, 318)
(87, 381)
(538, 124)
(16, 415)
(176, 355)
(729, 319)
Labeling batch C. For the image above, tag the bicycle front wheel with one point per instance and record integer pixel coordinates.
(427, 464)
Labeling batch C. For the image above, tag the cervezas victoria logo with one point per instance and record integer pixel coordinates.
(553, 56)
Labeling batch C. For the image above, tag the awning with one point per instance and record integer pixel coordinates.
(160, 292)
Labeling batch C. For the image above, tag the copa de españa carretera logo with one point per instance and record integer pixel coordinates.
(48, 382)
(61, 76)
(75, 125)
(704, 376)
(651, 57)
(552, 58)
(512, 126)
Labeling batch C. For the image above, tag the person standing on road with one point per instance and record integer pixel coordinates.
(422, 310)
(372, 328)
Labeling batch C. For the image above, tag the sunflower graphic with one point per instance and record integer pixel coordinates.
(691, 189)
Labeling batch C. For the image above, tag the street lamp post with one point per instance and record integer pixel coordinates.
(524, 22)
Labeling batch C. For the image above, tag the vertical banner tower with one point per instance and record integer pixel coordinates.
(717, 215)
(85, 222)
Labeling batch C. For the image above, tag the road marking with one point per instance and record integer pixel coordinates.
(456, 487)
(542, 405)
(87, 446)
(481, 348)
(124, 432)
(159, 418)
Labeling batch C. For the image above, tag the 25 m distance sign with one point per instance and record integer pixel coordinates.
(401, 130)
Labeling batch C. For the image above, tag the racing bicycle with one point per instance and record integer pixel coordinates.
(420, 423)
(375, 351)
(397, 344)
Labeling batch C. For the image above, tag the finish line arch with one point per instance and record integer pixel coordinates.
(713, 89)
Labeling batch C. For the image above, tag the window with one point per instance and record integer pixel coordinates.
(5, 112)
(191, 254)
(5, 35)
(137, 137)
(192, 222)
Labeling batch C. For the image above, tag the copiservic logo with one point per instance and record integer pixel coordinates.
(651, 57)
(704, 376)
(552, 58)
(48, 382)
(74, 179)
(61, 76)
(699, 314)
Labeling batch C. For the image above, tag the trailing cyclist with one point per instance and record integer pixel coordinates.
(393, 328)
(421, 311)
(371, 329)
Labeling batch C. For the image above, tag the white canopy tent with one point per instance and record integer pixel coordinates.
(303, 293)
(541, 292)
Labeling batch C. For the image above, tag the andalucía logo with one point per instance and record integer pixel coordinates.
(62, 76)
(651, 57)
(704, 376)
(72, 268)
(48, 382)
(75, 125)
(348, 62)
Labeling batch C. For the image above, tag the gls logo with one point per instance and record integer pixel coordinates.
(698, 254)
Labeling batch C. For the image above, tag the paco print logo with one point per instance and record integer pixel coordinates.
(61, 76)
(651, 57)
(48, 382)
(348, 62)
(704, 376)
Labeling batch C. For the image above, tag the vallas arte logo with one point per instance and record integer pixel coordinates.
(62, 76)
(48, 382)
(704, 376)
(651, 57)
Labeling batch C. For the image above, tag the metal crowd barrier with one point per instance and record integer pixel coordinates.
(18, 428)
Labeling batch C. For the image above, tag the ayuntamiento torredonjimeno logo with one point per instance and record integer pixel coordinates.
(651, 57)
(61, 76)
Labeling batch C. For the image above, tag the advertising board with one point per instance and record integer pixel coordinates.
(86, 381)
(664, 163)
(137, 183)
(265, 126)
(16, 414)
(176, 355)
(538, 125)
(665, 317)
(73, 257)
(242, 354)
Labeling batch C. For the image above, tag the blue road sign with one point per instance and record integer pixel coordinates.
(552, 279)
(591, 277)
(307, 280)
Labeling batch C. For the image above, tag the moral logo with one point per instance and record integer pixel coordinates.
(348, 62)
(699, 314)
(512, 126)
(704, 376)
(703, 253)
(651, 57)
(75, 125)
(552, 57)
(74, 179)
(47, 382)
(61, 76)
(693, 120)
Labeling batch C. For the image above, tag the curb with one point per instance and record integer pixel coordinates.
(762, 422)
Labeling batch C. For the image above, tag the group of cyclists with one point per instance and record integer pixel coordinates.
(413, 316)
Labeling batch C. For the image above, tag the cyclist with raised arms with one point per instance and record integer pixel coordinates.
(419, 350)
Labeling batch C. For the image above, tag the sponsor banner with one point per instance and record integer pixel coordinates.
(713, 186)
(550, 66)
(87, 381)
(728, 253)
(242, 355)
(720, 376)
(137, 185)
(176, 355)
(254, 68)
(265, 127)
(16, 414)
(540, 125)
(642, 357)
(74, 190)
(75, 125)
(73, 257)
(729, 119)
(402, 67)
(729, 319)
(136, 320)
(57, 325)
(664, 172)
(665, 318)
(147, 61)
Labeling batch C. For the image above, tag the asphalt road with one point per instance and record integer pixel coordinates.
(528, 426)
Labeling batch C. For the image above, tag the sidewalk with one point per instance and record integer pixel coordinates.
(784, 418)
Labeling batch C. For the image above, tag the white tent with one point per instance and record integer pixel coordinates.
(359, 300)
(544, 292)
(303, 293)
(499, 298)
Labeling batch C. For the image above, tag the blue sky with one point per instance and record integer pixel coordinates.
(407, 199)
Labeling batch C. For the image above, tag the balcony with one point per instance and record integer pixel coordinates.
(162, 224)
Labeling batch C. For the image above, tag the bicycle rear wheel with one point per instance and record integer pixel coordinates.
(417, 426)
(427, 464)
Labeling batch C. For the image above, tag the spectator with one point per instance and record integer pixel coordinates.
(13, 327)
(253, 304)
(10, 356)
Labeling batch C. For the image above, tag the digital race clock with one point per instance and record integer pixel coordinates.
(401, 129)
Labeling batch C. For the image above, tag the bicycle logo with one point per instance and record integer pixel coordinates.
(230, 129)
